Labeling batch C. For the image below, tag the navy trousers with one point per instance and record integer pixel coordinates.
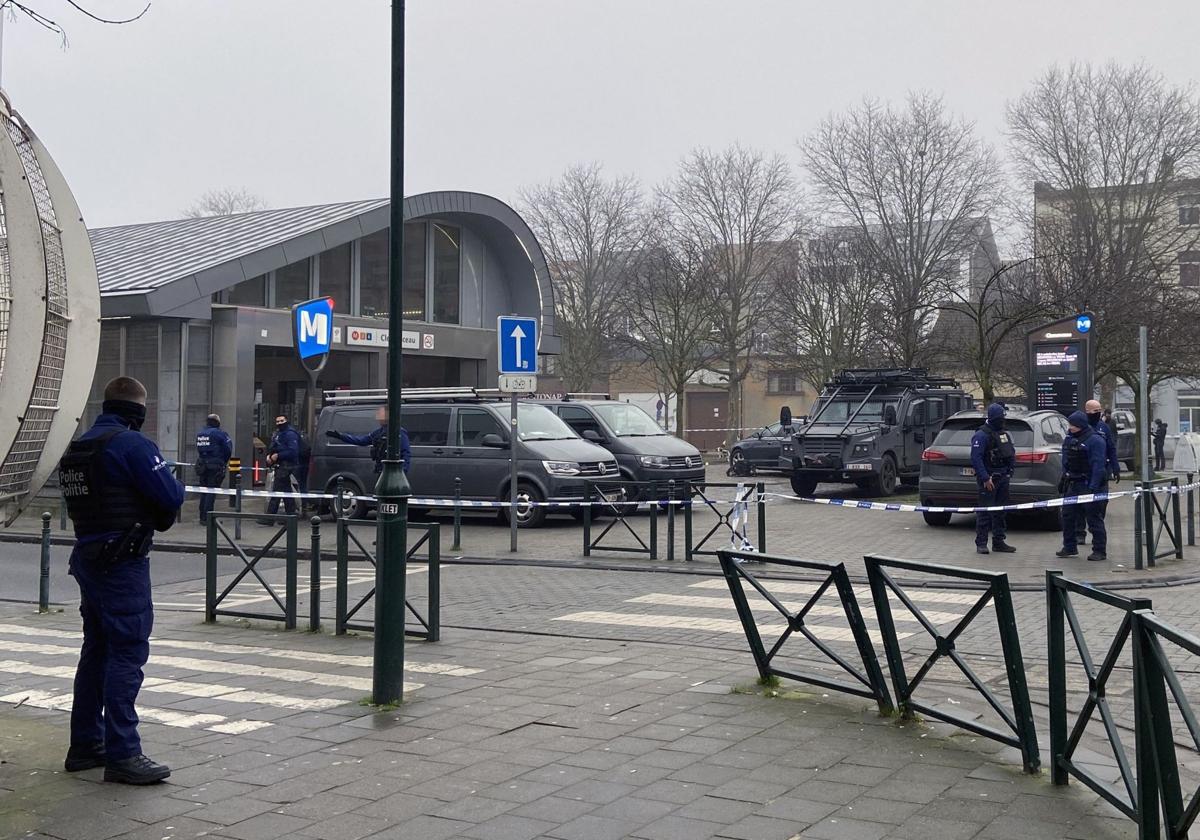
(209, 475)
(992, 522)
(282, 483)
(117, 619)
(1073, 517)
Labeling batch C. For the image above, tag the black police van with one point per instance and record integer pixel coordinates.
(459, 433)
(869, 427)
(644, 452)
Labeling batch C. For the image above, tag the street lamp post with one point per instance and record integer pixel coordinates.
(392, 490)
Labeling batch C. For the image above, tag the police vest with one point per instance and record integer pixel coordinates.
(1077, 463)
(206, 447)
(379, 447)
(95, 505)
(1001, 454)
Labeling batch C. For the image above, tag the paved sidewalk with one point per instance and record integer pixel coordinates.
(508, 735)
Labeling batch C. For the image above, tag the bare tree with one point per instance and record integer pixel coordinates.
(669, 318)
(1110, 149)
(592, 230)
(225, 202)
(914, 183)
(736, 210)
(32, 11)
(823, 318)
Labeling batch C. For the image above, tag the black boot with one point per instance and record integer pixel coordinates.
(982, 549)
(1002, 547)
(1097, 557)
(136, 770)
(84, 757)
(1066, 552)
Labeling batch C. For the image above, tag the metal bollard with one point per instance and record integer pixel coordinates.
(653, 525)
(1191, 511)
(671, 520)
(314, 578)
(457, 515)
(237, 506)
(759, 490)
(44, 579)
(337, 503)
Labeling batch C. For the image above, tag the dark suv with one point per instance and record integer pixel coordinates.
(644, 452)
(948, 479)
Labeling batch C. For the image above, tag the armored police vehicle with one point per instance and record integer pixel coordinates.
(870, 425)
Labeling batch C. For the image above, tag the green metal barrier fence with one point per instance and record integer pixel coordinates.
(1020, 732)
(607, 499)
(1156, 514)
(748, 494)
(1061, 619)
(429, 626)
(868, 677)
(286, 604)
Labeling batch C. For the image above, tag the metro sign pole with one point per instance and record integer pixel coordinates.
(393, 491)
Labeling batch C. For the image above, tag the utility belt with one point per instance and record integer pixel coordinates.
(1064, 483)
(132, 543)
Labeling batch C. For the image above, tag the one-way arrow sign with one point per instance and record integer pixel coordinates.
(516, 344)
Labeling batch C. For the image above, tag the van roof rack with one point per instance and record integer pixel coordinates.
(586, 395)
(375, 396)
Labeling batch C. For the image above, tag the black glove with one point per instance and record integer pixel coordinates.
(1064, 484)
(1116, 477)
(331, 433)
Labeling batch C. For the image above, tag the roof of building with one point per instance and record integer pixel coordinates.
(141, 257)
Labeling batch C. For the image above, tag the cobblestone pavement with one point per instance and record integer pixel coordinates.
(793, 529)
(562, 702)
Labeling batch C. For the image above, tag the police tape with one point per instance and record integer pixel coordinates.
(417, 501)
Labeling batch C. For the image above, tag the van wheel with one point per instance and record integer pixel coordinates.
(936, 519)
(886, 482)
(802, 485)
(527, 517)
(347, 507)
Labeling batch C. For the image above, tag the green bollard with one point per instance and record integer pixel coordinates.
(44, 578)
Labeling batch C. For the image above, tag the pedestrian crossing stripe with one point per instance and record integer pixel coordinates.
(726, 603)
(166, 717)
(159, 685)
(918, 595)
(252, 650)
(715, 625)
(188, 663)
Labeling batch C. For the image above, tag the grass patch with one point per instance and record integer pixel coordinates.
(367, 702)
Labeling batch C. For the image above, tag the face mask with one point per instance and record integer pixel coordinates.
(132, 413)
(996, 423)
(1094, 418)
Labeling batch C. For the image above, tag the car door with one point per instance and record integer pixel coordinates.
(482, 469)
(915, 434)
(763, 449)
(428, 428)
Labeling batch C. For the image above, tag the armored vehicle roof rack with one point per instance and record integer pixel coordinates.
(890, 377)
(378, 396)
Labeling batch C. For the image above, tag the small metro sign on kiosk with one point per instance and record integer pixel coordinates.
(1061, 364)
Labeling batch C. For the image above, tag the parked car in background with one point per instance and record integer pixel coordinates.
(1125, 426)
(948, 479)
(769, 449)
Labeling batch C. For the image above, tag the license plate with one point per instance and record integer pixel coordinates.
(968, 471)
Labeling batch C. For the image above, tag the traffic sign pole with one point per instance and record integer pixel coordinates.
(512, 476)
(516, 356)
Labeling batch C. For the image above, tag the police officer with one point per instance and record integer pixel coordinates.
(284, 455)
(1160, 444)
(993, 457)
(1084, 471)
(1094, 412)
(213, 450)
(118, 491)
(377, 440)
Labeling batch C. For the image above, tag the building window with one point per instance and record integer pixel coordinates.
(414, 272)
(1189, 269)
(447, 272)
(252, 292)
(292, 285)
(1189, 414)
(334, 275)
(1189, 210)
(373, 272)
(783, 382)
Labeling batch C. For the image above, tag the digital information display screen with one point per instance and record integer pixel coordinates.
(1056, 358)
(1057, 393)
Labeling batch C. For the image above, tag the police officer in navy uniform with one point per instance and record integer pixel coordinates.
(993, 456)
(118, 491)
(213, 450)
(1095, 416)
(284, 455)
(1160, 444)
(377, 440)
(1084, 471)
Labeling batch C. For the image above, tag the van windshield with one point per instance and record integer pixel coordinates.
(628, 420)
(536, 422)
(839, 411)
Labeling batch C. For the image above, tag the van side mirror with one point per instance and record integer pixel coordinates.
(889, 415)
(494, 442)
(593, 436)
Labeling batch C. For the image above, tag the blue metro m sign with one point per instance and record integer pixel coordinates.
(312, 331)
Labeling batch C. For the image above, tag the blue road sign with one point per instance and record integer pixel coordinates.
(517, 343)
(312, 327)
(1083, 323)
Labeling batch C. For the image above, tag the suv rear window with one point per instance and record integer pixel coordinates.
(960, 432)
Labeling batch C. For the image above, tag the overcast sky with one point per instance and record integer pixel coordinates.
(289, 98)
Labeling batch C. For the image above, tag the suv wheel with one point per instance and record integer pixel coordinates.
(936, 519)
(802, 485)
(886, 482)
(348, 507)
